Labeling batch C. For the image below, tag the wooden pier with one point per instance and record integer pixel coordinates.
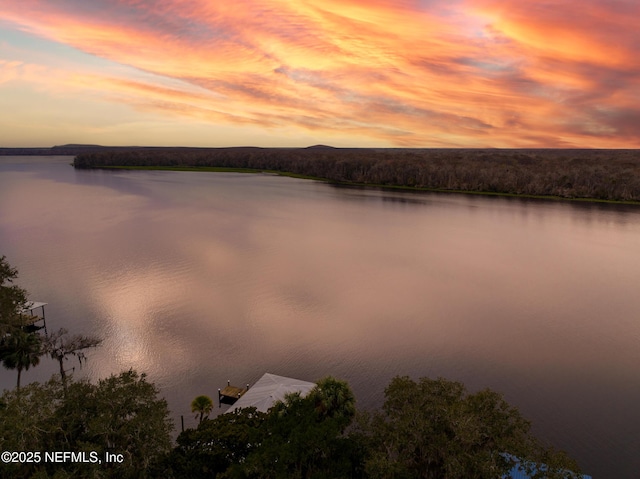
(230, 394)
(32, 318)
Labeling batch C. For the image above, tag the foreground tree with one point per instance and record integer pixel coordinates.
(303, 437)
(202, 405)
(426, 429)
(60, 345)
(215, 445)
(435, 429)
(12, 298)
(20, 350)
(121, 414)
(334, 399)
(300, 437)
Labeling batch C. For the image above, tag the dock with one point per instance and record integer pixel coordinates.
(32, 319)
(230, 394)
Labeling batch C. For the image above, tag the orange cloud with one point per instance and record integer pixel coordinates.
(592, 31)
(412, 73)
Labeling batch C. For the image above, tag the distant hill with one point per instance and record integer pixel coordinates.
(76, 145)
(25, 151)
(320, 147)
(71, 149)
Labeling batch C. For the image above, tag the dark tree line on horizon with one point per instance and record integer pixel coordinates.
(596, 174)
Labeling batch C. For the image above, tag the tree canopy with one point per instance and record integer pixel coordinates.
(333, 398)
(120, 414)
(12, 298)
(567, 173)
(301, 441)
(436, 429)
(20, 350)
(300, 437)
(215, 445)
(431, 428)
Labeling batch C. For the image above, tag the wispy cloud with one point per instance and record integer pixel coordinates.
(408, 73)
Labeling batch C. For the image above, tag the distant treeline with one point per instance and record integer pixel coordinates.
(62, 150)
(597, 174)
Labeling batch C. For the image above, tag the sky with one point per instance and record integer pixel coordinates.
(349, 73)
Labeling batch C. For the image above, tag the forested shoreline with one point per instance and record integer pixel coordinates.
(612, 175)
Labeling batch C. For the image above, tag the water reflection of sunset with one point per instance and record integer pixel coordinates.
(136, 305)
(195, 279)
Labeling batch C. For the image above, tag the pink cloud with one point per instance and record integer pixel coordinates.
(415, 73)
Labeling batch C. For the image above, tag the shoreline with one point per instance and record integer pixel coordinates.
(222, 169)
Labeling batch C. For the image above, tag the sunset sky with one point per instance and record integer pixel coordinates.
(369, 73)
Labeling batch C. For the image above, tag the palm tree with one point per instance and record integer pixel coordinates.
(202, 405)
(20, 351)
(334, 399)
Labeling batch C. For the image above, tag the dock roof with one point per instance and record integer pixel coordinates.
(31, 305)
(269, 389)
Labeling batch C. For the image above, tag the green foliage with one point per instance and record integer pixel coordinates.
(215, 445)
(121, 414)
(436, 429)
(12, 299)
(202, 405)
(334, 399)
(426, 429)
(303, 437)
(29, 419)
(20, 350)
(297, 438)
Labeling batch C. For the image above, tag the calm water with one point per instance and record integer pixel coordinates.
(199, 278)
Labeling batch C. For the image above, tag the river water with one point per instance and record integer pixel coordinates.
(196, 278)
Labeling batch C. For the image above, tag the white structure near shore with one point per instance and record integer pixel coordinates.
(269, 389)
